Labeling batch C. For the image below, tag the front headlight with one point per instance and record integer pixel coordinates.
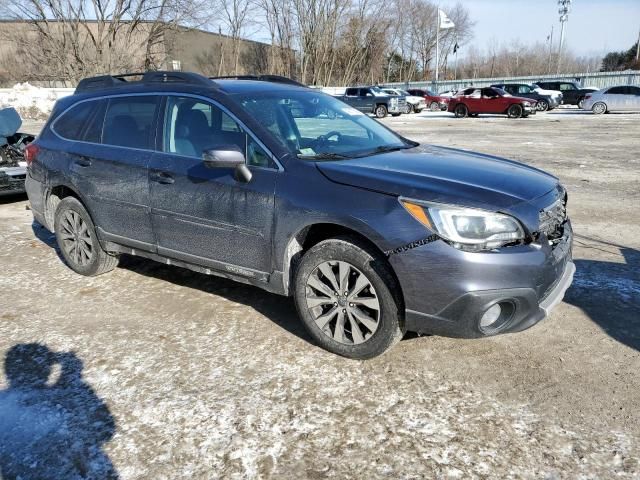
(526, 104)
(466, 228)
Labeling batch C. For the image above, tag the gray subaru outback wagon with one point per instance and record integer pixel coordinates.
(286, 188)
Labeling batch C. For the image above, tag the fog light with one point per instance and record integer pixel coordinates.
(491, 316)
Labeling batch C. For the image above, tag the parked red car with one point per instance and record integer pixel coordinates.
(434, 102)
(473, 101)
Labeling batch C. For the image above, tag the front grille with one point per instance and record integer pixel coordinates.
(552, 218)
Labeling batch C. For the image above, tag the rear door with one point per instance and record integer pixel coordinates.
(205, 216)
(366, 100)
(109, 164)
(472, 98)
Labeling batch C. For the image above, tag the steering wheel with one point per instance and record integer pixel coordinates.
(324, 139)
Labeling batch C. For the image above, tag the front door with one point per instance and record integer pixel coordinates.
(205, 216)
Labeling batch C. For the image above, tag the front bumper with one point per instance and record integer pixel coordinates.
(447, 290)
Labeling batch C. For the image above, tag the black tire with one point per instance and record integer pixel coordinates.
(395, 114)
(542, 105)
(381, 111)
(408, 108)
(434, 106)
(580, 102)
(390, 326)
(416, 109)
(96, 261)
(515, 111)
(461, 110)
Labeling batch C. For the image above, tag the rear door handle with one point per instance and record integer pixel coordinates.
(82, 162)
(162, 177)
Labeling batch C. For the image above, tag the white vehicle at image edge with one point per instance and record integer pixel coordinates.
(623, 98)
(414, 103)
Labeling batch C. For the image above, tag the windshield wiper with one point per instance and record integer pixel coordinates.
(385, 149)
(325, 156)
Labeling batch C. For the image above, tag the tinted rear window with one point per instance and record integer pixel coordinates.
(129, 120)
(73, 123)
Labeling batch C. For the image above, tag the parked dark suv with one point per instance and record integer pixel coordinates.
(292, 190)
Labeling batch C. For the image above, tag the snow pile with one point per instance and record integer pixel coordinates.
(32, 102)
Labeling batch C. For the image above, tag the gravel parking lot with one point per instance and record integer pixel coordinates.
(159, 372)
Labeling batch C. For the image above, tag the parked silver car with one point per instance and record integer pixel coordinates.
(613, 99)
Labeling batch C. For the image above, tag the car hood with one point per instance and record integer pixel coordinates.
(445, 175)
(522, 99)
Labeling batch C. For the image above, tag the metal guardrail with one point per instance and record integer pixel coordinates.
(593, 79)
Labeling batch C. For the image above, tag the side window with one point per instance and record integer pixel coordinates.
(192, 126)
(523, 89)
(567, 86)
(71, 124)
(95, 123)
(617, 90)
(364, 91)
(128, 121)
(352, 92)
(634, 91)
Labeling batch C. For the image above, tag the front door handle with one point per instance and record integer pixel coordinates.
(82, 162)
(162, 177)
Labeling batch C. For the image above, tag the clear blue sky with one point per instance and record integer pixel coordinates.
(594, 26)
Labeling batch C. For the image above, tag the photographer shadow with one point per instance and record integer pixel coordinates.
(52, 423)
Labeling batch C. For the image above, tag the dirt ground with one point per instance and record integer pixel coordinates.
(156, 372)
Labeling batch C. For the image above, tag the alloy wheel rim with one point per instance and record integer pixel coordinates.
(599, 108)
(76, 238)
(343, 302)
(379, 111)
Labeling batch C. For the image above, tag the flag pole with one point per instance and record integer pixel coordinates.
(455, 74)
(437, 47)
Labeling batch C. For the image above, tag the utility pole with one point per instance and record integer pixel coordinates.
(564, 7)
(638, 47)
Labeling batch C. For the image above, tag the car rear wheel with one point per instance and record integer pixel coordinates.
(599, 108)
(515, 111)
(346, 298)
(434, 106)
(581, 102)
(461, 110)
(543, 105)
(78, 241)
(381, 111)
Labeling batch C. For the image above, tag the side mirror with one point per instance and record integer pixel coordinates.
(227, 156)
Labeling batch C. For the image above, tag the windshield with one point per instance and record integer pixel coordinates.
(315, 126)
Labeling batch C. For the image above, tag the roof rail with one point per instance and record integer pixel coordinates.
(110, 81)
(262, 78)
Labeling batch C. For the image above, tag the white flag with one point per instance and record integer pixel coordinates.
(445, 22)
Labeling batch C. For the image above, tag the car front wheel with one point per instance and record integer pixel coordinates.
(78, 241)
(542, 105)
(347, 298)
(515, 111)
(381, 111)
